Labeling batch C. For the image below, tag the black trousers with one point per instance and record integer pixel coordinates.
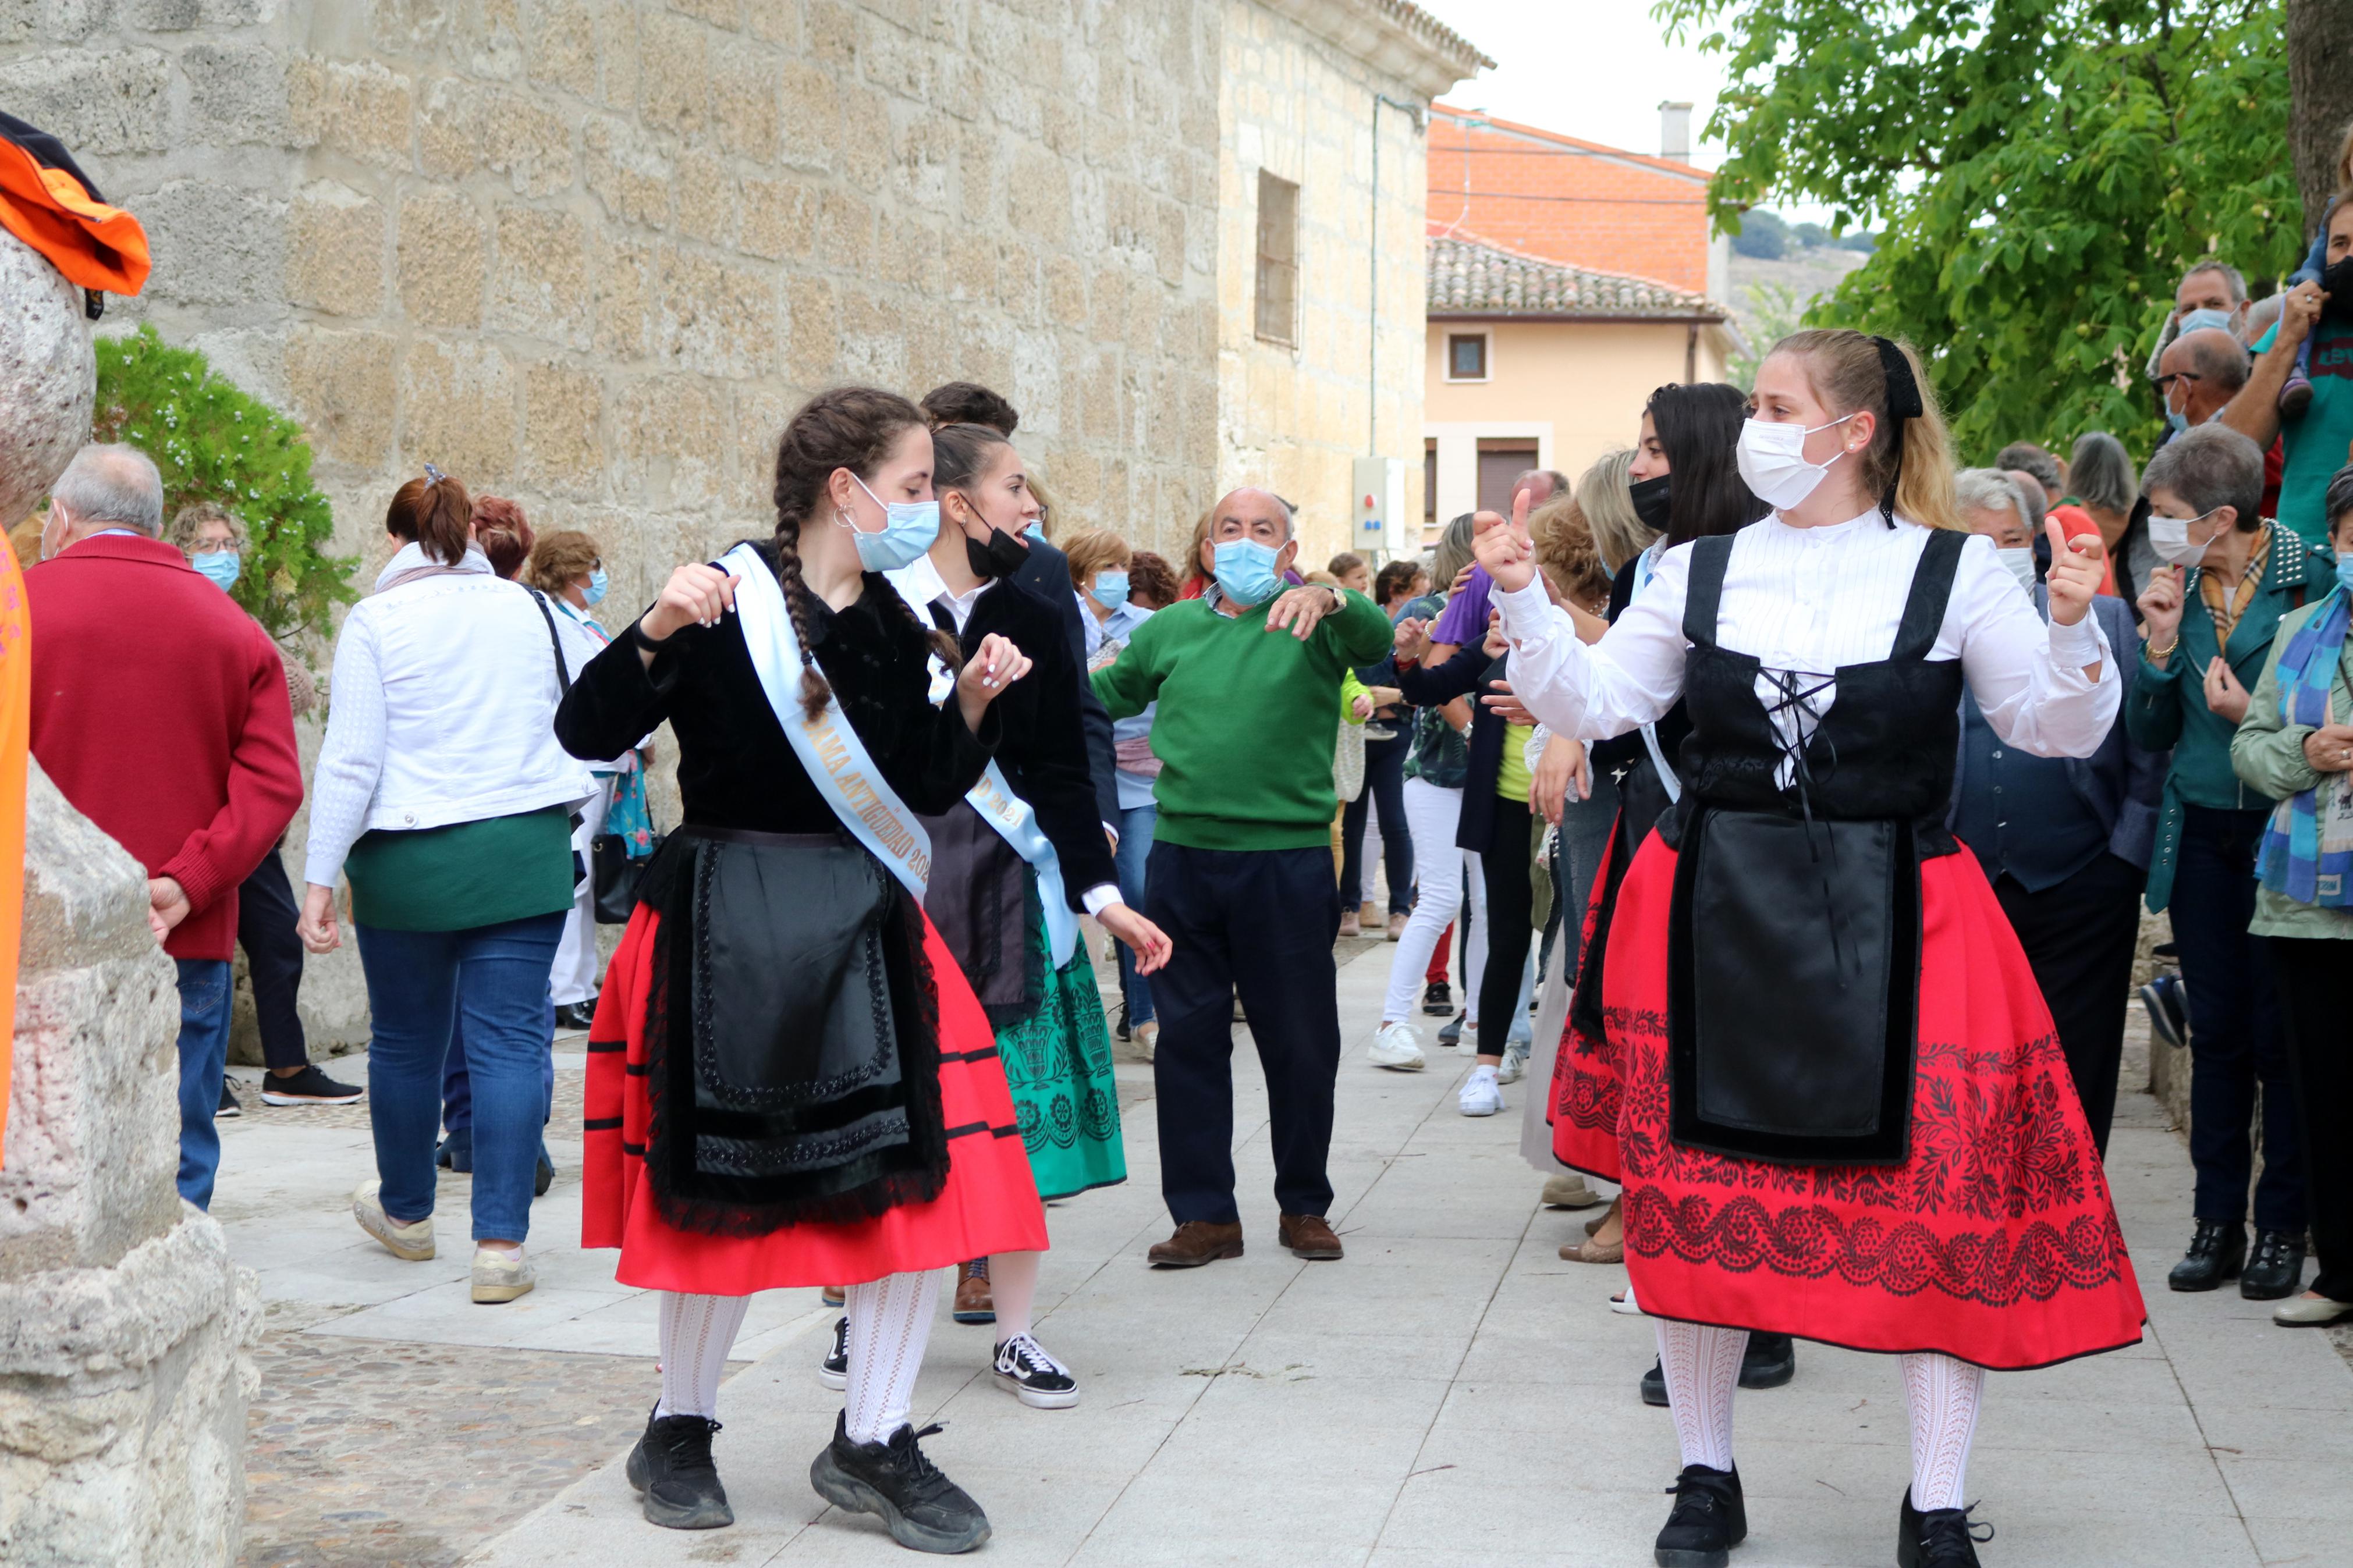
(266, 912)
(1256, 923)
(2311, 973)
(1510, 916)
(2079, 936)
(1384, 784)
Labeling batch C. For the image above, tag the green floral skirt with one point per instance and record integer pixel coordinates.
(1058, 1062)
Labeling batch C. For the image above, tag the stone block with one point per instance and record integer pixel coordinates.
(237, 94)
(762, 411)
(443, 259)
(465, 125)
(705, 190)
(845, 232)
(811, 130)
(20, 21)
(112, 101)
(876, 330)
(164, 15)
(670, 437)
(624, 299)
(728, 14)
(745, 104)
(458, 411)
(540, 281)
(563, 450)
(73, 21)
(357, 108)
(926, 160)
(626, 172)
(831, 32)
(812, 328)
(334, 250)
(48, 376)
(560, 45)
(673, 73)
(715, 318)
(779, 218)
(214, 246)
(343, 391)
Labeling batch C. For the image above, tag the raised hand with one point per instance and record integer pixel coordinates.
(2225, 698)
(2078, 565)
(995, 665)
(1503, 548)
(2160, 612)
(695, 595)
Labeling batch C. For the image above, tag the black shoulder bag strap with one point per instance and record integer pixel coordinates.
(562, 675)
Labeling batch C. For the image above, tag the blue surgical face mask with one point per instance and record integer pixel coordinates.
(221, 566)
(2178, 420)
(1109, 590)
(1036, 530)
(1246, 571)
(2199, 319)
(597, 586)
(909, 527)
(2345, 571)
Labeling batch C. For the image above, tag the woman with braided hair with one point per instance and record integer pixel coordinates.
(1889, 1156)
(790, 1083)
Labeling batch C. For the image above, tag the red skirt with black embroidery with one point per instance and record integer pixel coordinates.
(988, 1204)
(1994, 1241)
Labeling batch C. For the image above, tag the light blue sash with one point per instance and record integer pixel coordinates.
(827, 745)
(1015, 821)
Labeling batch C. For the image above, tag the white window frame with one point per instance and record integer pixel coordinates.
(1486, 356)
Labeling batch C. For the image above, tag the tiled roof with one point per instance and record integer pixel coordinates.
(1468, 278)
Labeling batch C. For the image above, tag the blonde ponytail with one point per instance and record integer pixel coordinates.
(1915, 454)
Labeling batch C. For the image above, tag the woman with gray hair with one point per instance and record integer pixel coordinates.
(1992, 503)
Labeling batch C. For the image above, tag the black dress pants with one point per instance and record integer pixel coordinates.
(2079, 936)
(2313, 973)
(1256, 923)
(1510, 922)
(266, 913)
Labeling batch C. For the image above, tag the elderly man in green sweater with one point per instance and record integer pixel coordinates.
(1248, 680)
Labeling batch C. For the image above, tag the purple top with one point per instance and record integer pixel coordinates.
(1464, 619)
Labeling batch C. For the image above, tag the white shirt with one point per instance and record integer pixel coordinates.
(920, 583)
(1810, 600)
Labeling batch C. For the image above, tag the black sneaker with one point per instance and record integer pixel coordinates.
(670, 1470)
(1025, 1371)
(577, 1015)
(1121, 1029)
(309, 1086)
(1709, 1519)
(834, 1370)
(1453, 1033)
(228, 1105)
(1939, 1538)
(543, 1173)
(2275, 1267)
(1770, 1360)
(922, 1508)
(1437, 1000)
(2167, 1005)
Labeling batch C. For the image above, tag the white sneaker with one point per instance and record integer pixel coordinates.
(412, 1241)
(1624, 1301)
(501, 1275)
(1397, 1045)
(1480, 1094)
(1515, 1068)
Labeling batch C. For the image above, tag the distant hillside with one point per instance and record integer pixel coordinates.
(1768, 297)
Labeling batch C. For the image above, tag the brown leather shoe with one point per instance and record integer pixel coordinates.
(1196, 1241)
(973, 1304)
(1308, 1236)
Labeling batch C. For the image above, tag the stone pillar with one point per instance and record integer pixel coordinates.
(125, 1329)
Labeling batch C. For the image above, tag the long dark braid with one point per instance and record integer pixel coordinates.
(851, 427)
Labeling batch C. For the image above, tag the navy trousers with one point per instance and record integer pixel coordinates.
(1258, 924)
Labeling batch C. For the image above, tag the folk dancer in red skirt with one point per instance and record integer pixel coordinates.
(1827, 1079)
(789, 1082)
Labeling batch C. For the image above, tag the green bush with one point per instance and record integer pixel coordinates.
(215, 443)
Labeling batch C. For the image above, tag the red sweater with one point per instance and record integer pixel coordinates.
(160, 711)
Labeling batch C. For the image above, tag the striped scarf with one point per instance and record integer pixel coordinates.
(2301, 858)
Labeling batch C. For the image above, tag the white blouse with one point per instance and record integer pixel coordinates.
(1806, 601)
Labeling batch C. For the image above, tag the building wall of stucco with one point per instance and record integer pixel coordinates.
(1295, 417)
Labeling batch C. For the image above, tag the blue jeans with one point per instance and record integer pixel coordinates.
(1135, 825)
(458, 1087)
(419, 983)
(204, 1061)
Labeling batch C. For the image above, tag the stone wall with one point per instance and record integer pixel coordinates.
(125, 1331)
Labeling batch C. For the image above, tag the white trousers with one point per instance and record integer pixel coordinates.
(573, 978)
(1432, 815)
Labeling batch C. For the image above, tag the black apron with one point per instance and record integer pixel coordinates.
(1793, 945)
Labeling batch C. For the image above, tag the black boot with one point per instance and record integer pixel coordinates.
(457, 1151)
(671, 1472)
(1770, 1360)
(1708, 1521)
(922, 1508)
(2277, 1268)
(1940, 1538)
(2217, 1248)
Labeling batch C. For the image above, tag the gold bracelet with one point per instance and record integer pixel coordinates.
(2165, 652)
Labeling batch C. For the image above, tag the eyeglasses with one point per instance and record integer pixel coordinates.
(216, 547)
(2165, 382)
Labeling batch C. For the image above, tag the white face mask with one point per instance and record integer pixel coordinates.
(2170, 537)
(2020, 562)
(1772, 458)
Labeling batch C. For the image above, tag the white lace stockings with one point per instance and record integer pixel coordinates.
(890, 1324)
(1944, 1395)
(1702, 1366)
(696, 1333)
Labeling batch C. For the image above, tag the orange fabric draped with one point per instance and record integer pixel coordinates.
(94, 244)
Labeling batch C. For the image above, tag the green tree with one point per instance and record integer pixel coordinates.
(1760, 235)
(2042, 170)
(213, 442)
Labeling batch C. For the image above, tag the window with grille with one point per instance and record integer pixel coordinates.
(1278, 260)
(1466, 357)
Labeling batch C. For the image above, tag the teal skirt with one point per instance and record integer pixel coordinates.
(1058, 1063)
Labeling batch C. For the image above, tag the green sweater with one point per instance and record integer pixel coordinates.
(1247, 719)
(2268, 754)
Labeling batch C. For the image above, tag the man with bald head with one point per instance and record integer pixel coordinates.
(2198, 374)
(1248, 680)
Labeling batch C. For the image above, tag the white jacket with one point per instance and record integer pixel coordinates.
(443, 710)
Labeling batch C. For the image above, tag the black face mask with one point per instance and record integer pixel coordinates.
(1650, 501)
(2338, 280)
(1002, 556)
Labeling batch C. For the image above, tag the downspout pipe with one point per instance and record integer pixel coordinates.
(1373, 301)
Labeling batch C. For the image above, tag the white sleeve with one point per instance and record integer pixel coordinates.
(2032, 680)
(1100, 897)
(1592, 691)
(351, 756)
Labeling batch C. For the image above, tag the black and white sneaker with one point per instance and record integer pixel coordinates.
(922, 1508)
(309, 1086)
(834, 1370)
(1437, 999)
(1025, 1371)
(228, 1105)
(671, 1472)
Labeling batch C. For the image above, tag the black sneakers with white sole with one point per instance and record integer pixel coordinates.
(834, 1370)
(1025, 1371)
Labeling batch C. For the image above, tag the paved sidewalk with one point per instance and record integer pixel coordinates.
(1450, 1393)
